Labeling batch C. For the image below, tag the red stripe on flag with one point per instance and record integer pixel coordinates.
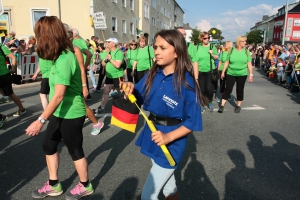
(124, 116)
(25, 58)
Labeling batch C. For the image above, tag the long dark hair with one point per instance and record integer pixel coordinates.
(52, 38)
(183, 64)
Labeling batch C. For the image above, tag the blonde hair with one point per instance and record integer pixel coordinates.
(230, 45)
(202, 34)
(239, 39)
(142, 38)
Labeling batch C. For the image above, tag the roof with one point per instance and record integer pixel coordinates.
(296, 9)
(187, 26)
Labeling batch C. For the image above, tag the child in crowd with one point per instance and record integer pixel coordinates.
(279, 71)
(288, 73)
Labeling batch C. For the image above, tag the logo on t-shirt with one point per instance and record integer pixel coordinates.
(170, 102)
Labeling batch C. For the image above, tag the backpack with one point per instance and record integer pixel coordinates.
(123, 64)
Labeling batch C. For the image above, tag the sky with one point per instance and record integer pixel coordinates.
(232, 17)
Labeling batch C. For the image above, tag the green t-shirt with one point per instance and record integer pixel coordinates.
(238, 62)
(192, 52)
(45, 67)
(131, 57)
(66, 71)
(203, 57)
(222, 59)
(112, 71)
(3, 67)
(81, 44)
(142, 58)
(93, 56)
(103, 55)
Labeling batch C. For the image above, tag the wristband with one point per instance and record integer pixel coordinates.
(83, 85)
(251, 74)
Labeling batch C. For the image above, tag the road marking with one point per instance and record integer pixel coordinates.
(254, 107)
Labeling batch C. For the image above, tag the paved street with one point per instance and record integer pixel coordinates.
(251, 155)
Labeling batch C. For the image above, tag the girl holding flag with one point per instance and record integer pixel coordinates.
(175, 112)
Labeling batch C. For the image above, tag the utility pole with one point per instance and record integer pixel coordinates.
(58, 2)
(285, 19)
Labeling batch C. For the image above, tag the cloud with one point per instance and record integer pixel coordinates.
(237, 22)
(203, 25)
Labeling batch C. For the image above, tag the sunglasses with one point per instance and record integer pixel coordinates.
(132, 44)
(206, 38)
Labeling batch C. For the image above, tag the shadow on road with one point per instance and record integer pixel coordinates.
(275, 174)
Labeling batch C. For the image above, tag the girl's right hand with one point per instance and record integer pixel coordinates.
(128, 87)
(223, 75)
(132, 73)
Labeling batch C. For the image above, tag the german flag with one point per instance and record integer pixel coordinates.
(125, 114)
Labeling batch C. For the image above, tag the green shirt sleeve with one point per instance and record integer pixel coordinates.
(192, 52)
(5, 50)
(63, 77)
(118, 56)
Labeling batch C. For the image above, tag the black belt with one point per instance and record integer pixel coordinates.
(165, 121)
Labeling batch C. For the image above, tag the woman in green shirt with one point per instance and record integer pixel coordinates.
(237, 62)
(206, 53)
(130, 58)
(103, 51)
(65, 111)
(222, 60)
(144, 59)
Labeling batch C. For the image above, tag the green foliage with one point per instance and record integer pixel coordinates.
(217, 35)
(195, 36)
(255, 37)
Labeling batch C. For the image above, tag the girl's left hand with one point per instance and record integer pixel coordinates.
(160, 138)
(34, 128)
(250, 79)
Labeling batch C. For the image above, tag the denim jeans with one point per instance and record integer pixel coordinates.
(159, 177)
(91, 73)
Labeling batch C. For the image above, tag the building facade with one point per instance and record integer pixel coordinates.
(125, 19)
(21, 17)
(273, 26)
(145, 17)
(292, 25)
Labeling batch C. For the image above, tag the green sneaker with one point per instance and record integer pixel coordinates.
(4, 100)
(79, 191)
(47, 190)
(3, 120)
(19, 113)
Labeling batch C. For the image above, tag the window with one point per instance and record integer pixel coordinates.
(296, 22)
(296, 34)
(146, 11)
(131, 4)
(114, 1)
(162, 10)
(153, 3)
(124, 3)
(131, 28)
(123, 26)
(114, 24)
(37, 13)
(153, 21)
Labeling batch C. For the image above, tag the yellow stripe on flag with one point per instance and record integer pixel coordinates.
(122, 125)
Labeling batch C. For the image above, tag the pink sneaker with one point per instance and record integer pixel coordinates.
(97, 128)
(79, 191)
(47, 190)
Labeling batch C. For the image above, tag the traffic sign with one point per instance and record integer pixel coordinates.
(99, 20)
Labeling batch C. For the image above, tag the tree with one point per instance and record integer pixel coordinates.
(255, 37)
(216, 34)
(195, 36)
